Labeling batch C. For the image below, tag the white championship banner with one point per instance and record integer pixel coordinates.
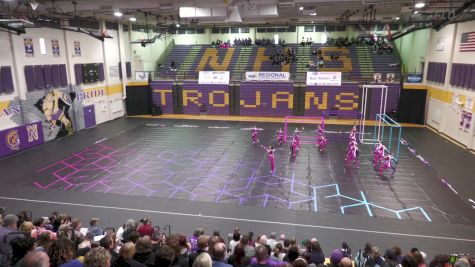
(267, 76)
(324, 78)
(213, 77)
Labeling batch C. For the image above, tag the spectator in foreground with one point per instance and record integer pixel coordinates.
(108, 243)
(194, 239)
(238, 258)
(165, 256)
(346, 262)
(126, 257)
(408, 261)
(143, 251)
(61, 254)
(146, 227)
(203, 260)
(217, 253)
(202, 248)
(316, 255)
(462, 262)
(35, 258)
(97, 257)
(20, 247)
(271, 241)
(335, 258)
(9, 225)
(346, 250)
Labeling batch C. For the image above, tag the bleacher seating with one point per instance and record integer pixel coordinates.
(357, 63)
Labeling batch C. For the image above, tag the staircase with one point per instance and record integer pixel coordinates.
(365, 62)
(242, 61)
(189, 59)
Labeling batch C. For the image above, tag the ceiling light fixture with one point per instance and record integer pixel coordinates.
(398, 18)
(415, 12)
(118, 14)
(420, 5)
(301, 8)
(133, 19)
(177, 25)
(313, 14)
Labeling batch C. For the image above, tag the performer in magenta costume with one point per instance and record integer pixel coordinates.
(270, 155)
(254, 136)
(387, 164)
(322, 143)
(297, 138)
(293, 147)
(353, 153)
(378, 153)
(280, 137)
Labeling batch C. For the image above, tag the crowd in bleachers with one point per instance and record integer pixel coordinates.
(221, 44)
(282, 57)
(243, 42)
(379, 45)
(60, 240)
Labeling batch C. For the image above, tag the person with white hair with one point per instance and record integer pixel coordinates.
(203, 260)
(271, 241)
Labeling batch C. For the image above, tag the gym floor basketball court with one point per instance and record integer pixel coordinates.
(213, 172)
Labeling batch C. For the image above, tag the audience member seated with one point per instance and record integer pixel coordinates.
(175, 250)
(93, 228)
(283, 57)
(243, 42)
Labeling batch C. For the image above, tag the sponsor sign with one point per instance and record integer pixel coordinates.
(213, 77)
(267, 76)
(324, 78)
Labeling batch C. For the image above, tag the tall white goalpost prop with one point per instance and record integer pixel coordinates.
(382, 110)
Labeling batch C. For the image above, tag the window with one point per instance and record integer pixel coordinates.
(200, 31)
(340, 28)
(224, 30)
(308, 28)
(244, 30)
(394, 27)
(379, 27)
(190, 31)
(42, 46)
(291, 29)
(320, 28)
(215, 30)
(330, 28)
(281, 29)
(180, 31)
(270, 30)
(261, 30)
(234, 30)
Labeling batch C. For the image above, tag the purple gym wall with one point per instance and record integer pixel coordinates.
(162, 95)
(16, 139)
(266, 99)
(392, 103)
(344, 99)
(214, 97)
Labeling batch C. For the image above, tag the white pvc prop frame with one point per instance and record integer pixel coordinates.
(382, 110)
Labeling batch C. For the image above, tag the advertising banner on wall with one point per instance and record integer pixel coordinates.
(213, 77)
(142, 75)
(55, 47)
(414, 78)
(324, 78)
(29, 51)
(20, 138)
(267, 76)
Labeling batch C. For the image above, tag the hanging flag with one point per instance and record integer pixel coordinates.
(467, 43)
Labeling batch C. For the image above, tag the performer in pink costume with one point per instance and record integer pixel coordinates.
(322, 143)
(280, 137)
(378, 153)
(297, 138)
(293, 147)
(386, 164)
(353, 153)
(270, 155)
(254, 136)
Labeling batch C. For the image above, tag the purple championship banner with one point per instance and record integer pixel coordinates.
(266, 98)
(214, 98)
(162, 95)
(392, 102)
(16, 139)
(342, 100)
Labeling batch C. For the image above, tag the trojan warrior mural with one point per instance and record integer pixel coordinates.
(55, 106)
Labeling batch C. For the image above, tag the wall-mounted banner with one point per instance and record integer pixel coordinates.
(19, 138)
(324, 78)
(55, 48)
(77, 48)
(267, 76)
(29, 51)
(142, 75)
(89, 94)
(213, 77)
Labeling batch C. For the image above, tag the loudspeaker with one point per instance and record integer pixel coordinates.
(156, 110)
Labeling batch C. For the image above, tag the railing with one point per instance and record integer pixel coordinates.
(163, 57)
(241, 76)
